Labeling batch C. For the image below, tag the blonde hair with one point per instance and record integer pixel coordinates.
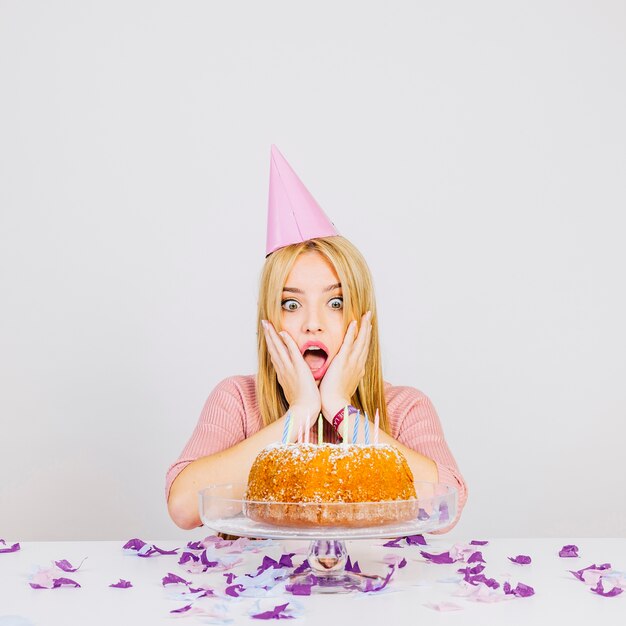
(358, 298)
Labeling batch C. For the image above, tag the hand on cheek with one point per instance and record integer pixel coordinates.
(293, 373)
(347, 368)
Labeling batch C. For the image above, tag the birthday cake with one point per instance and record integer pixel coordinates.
(302, 484)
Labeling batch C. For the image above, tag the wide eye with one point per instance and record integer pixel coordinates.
(336, 303)
(290, 305)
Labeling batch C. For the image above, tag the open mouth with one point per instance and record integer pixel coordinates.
(315, 358)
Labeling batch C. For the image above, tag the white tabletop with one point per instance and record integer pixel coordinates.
(558, 595)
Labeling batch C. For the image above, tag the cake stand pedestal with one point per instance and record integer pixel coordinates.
(223, 509)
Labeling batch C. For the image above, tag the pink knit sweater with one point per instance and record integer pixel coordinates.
(231, 414)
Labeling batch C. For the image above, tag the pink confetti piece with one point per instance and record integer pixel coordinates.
(521, 591)
(439, 559)
(599, 589)
(122, 584)
(14, 548)
(520, 559)
(568, 552)
(66, 566)
(443, 606)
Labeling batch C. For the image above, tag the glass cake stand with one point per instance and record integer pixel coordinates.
(223, 508)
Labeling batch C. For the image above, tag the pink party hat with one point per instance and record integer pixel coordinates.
(293, 215)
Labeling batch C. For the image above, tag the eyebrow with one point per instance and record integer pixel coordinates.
(329, 288)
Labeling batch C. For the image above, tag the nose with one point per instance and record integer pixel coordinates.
(312, 322)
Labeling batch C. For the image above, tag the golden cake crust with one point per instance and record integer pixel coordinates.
(330, 485)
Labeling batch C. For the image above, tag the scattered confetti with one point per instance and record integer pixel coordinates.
(521, 591)
(122, 584)
(520, 559)
(141, 548)
(568, 552)
(599, 589)
(14, 548)
(442, 558)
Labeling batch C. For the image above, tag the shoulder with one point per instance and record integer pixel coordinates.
(400, 398)
(243, 387)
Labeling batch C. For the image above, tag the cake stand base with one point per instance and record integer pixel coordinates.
(327, 559)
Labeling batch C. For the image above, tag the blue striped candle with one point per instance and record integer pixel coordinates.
(286, 428)
(367, 430)
(355, 433)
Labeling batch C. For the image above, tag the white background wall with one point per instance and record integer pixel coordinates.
(475, 153)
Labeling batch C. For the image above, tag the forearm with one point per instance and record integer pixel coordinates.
(228, 466)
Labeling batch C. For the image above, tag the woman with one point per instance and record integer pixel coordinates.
(318, 352)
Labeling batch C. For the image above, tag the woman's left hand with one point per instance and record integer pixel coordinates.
(347, 368)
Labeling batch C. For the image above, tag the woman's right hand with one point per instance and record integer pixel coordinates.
(294, 375)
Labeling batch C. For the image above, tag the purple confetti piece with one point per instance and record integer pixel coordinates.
(520, 559)
(402, 564)
(234, 590)
(230, 577)
(439, 559)
(521, 591)
(173, 579)
(492, 583)
(476, 557)
(134, 544)
(183, 609)
(350, 567)
(579, 573)
(285, 560)
(471, 571)
(476, 542)
(395, 543)
(276, 613)
(302, 567)
(64, 582)
(122, 584)
(599, 589)
(195, 545)
(205, 561)
(14, 548)
(66, 566)
(422, 515)
(568, 552)
(143, 549)
(156, 549)
(185, 557)
(416, 540)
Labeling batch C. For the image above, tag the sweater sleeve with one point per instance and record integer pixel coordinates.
(221, 425)
(421, 431)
